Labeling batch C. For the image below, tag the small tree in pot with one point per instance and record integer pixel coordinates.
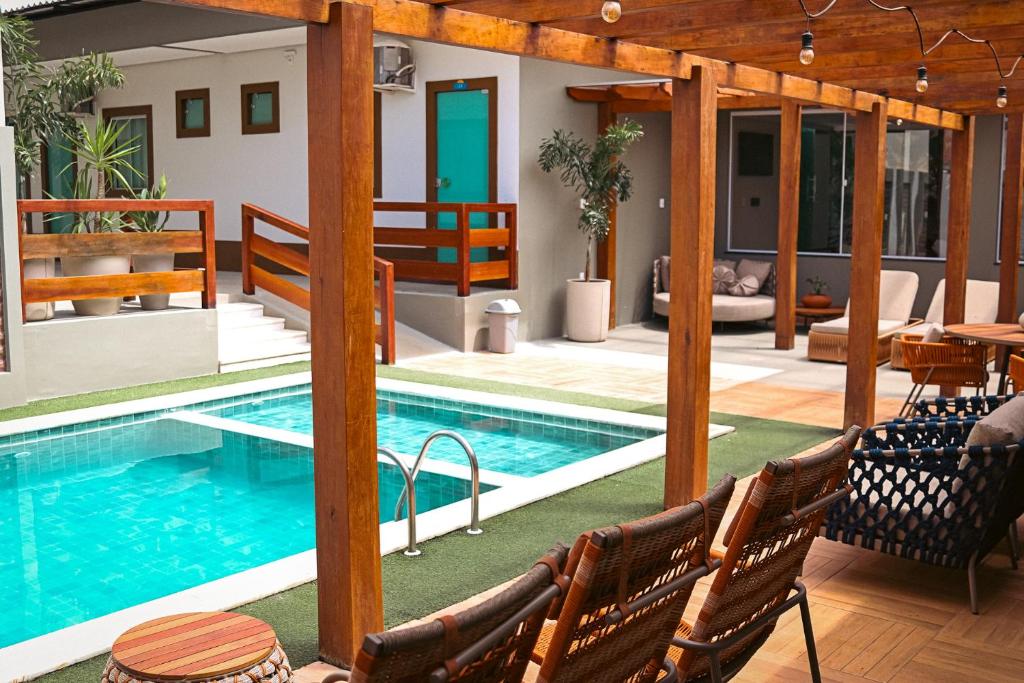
(600, 179)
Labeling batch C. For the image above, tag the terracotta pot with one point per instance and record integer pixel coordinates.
(816, 300)
(587, 310)
(153, 263)
(96, 265)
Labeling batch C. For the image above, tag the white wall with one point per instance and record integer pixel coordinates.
(271, 169)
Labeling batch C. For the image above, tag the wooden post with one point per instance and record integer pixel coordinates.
(340, 111)
(957, 242)
(606, 251)
(694, 128)
(789, 219)
(865, 265)
(512, 250)
(462, 252)
(206, 226)
(1009, 237)
(248, 230)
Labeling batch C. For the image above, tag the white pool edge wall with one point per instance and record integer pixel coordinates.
(43, 654)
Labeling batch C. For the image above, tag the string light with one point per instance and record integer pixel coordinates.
(807, 49)
(922, 72)
(611, 11)
(922, 79)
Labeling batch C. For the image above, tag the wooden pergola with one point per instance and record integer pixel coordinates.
(695, 44)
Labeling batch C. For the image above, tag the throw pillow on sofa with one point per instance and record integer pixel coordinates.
(665, 266)
(1002, 427)
(745, 286)
(760, 270)
(722, 278)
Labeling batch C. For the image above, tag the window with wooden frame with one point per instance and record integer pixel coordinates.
(192, 113)
(261, 108)
(136, 126)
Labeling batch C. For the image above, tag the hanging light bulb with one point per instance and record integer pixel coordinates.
(1001, 99)
(611, 11)
(922, 79)
(807, 51)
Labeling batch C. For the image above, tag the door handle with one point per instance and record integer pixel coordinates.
(442, 182)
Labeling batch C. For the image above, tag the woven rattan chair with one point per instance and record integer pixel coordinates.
(767, 543)
(951, 363)
(630, 585)
(1017, 372)
(490, 642)
(920, 494)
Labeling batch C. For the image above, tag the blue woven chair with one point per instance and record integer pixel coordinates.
(959, 406)
(920, 494)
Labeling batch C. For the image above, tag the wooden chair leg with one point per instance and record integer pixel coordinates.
(972, 582)
(1014, 544)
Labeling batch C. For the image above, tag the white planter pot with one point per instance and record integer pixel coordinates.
(586, 310)
(73, 266)
(38, 268)
(153, 263)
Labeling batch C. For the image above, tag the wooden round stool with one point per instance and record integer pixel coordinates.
(200, 646)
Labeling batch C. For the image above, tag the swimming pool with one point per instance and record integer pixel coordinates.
(172, 495)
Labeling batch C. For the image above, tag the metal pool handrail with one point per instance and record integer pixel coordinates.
(474, 467)
(411, 550)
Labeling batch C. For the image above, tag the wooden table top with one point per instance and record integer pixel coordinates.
(1002, 334)
(194, 646)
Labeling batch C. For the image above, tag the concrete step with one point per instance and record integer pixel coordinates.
(230, 340)
(250, 324)
(262, 349)
(228, 314)
(264, 362)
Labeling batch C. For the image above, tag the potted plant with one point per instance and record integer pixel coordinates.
(103, 160)
(817, 298)
(599, 179)
(152, 221)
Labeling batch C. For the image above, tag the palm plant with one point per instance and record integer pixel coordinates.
(151, 221)
(104, 159)
(594, 173)
(41, 101)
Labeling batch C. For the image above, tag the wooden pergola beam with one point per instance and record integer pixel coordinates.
(340, 111)
(694, 148)
(865, 266)
(310, 11)
(1009, 230)
(788, 226)
(456, 27)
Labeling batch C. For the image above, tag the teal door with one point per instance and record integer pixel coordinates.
(462, 168)
(58, 183)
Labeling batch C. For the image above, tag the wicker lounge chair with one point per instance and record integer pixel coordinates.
(630, 585)
(951, 363)
(829, 341)
(767, 543)
(981, 306)
(920, 494)
(489, 642)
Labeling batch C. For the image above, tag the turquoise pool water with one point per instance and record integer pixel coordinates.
(101, 516)
(100, 520)
(509, 441)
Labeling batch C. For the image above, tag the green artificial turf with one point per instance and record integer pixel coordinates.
(457, 566)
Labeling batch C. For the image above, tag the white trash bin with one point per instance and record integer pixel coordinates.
(503, 316)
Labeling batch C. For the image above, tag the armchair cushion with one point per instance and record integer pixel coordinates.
(933, 334)
(1002, 427)
(665, 266)
(842, 326)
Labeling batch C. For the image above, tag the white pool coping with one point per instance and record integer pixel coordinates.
(43, 654)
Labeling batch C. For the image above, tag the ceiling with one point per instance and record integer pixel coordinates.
(856, 44)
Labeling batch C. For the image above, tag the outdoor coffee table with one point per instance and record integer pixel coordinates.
(809, 314)
(199, 646)
(1005, 335)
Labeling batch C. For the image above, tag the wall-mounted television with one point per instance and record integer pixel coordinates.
(756, 154)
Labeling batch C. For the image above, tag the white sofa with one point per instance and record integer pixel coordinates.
(725, 308)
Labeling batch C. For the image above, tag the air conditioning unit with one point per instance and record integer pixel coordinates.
(393, 65)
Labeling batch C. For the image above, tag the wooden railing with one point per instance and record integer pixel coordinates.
(40, 246)
(254, 275)
(503, 256)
